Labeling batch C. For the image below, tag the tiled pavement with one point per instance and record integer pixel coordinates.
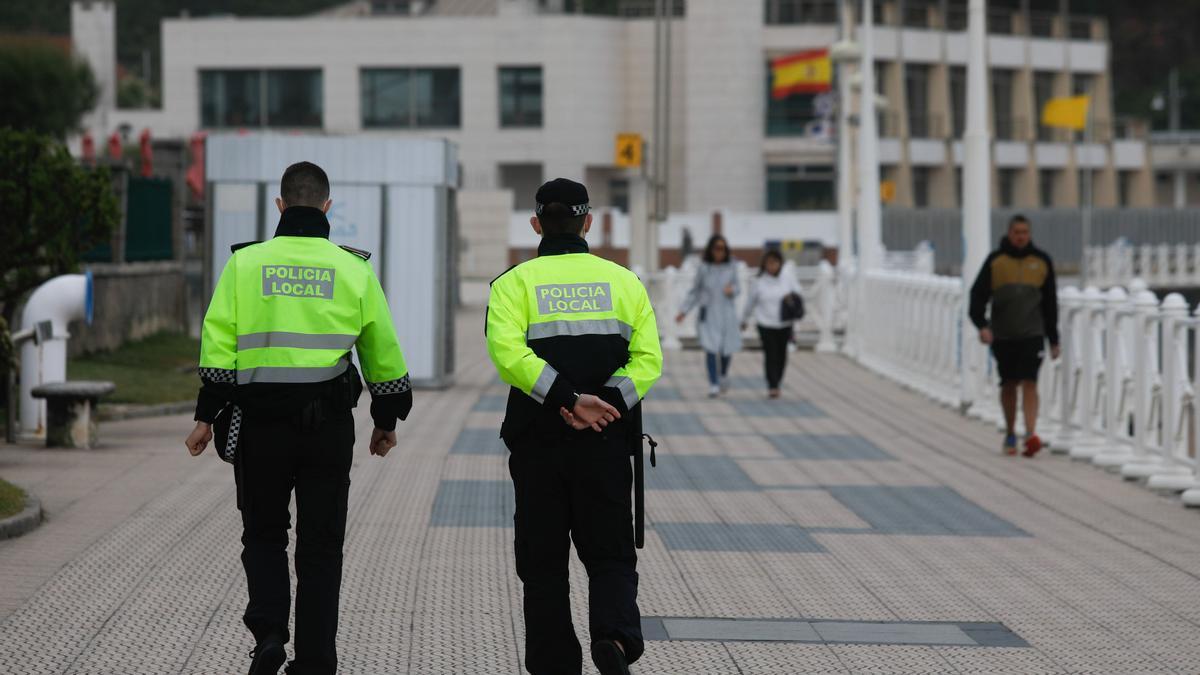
(852, 527)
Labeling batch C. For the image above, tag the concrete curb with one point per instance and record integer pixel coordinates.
(25, 521)
(114, 412)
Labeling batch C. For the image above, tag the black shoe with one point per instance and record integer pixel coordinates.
(268, 656)
(609, 658)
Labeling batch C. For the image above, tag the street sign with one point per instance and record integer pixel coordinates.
(887, 191)
(629, 151)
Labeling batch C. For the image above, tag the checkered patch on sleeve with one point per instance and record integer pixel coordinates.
(218, 375)
(229, 452)
(390, 387)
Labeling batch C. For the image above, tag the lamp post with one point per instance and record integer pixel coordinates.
(870, 240)
(845, 52)
(976, 191)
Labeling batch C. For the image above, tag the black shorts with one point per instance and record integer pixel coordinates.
(1019, 359)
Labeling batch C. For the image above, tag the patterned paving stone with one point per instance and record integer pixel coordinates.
(922, 510)
(827, 446)
(736, 537)
(478, 442)
(688, 472)
(682, 424)
(473, 503)
(136, 569)
(777, 408)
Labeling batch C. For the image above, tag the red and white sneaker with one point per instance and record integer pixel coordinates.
(1033, 445)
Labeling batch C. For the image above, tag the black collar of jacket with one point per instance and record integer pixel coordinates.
(558, 244)
(303, 221)
(1007, 248)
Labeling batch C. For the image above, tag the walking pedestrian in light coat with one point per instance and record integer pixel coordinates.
(714, 292)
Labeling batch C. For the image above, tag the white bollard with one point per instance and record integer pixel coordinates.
(826, 306)
(1147, 326)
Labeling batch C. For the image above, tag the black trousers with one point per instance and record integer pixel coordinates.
(774, 346)
(275, 456)
(575, 489)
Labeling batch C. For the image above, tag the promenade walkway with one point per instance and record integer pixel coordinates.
(851, 527)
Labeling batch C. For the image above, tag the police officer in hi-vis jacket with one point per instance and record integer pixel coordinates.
(278, 384)
(575, 336)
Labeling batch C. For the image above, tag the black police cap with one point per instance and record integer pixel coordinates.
(566, 192)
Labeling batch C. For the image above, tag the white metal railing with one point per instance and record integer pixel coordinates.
(818, 285)
(1122, 395)
(1160, 265)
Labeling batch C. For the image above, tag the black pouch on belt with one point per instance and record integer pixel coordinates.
(227, 428)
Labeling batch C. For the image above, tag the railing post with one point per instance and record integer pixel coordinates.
(1091, 441)
(826, 305)
(1069, 305)
(1117, 449)
(1173, 473)
(1191, 495)
(1147, 324)
(669, 280)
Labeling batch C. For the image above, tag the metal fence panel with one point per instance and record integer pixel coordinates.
(1058, 231)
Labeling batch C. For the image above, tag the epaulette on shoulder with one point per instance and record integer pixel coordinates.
(237, 247)
(365, 255)
(500, 275)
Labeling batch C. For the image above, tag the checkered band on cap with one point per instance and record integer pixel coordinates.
(576, 210)
(390, 387)
(218, 375)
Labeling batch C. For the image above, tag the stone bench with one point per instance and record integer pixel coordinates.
(71, 411)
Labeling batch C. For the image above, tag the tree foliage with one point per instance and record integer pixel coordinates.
(45, 89)
(54, 211)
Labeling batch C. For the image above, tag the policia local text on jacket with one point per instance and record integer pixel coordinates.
(563, 324)
(275, 367)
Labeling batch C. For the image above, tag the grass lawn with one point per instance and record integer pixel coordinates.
(12, 499)
(159, 369)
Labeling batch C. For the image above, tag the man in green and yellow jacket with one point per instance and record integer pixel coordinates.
(575, 337)
(278, 382)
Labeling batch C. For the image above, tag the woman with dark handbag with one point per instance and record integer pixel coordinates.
(775, 303)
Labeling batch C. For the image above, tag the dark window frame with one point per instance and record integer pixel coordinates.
(265, 79)
(821, 177)
(522, 92)
(411, 110)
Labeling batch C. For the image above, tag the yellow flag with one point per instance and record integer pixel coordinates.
(1068, 112)
(808, 72)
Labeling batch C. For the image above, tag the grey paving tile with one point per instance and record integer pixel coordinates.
(491, 403)
(478, 442)
(934, 510)
(663, 392)
(680, 424)
(827, 446)
(473, 503)
(892, 633)
(698, 472)
(723, 630)
(745, 537)
(775, 408)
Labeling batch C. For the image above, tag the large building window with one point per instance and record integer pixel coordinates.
(920, 186)
(411, 98)
(916, 90)
(785, 12)
(1002, 110)
(791, 115)
(1007, 179)
(1043, 91)
(1046, 187)
(958, 99)
(261, 98)
(521, 97)
(800, 188)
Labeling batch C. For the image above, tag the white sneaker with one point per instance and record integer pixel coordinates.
(714, 391)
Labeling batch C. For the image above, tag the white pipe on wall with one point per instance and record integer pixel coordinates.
(59, 301)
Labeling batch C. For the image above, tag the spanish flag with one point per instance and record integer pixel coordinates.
(1068, 112)
(802, 73)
